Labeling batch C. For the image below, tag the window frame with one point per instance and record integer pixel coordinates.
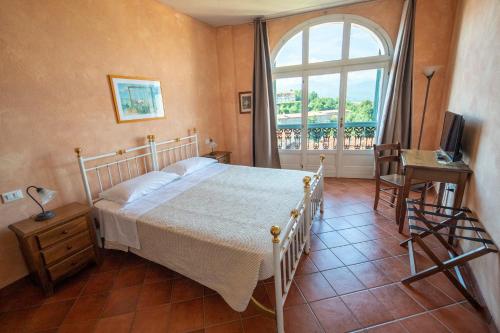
(344, 61)
(342, 66)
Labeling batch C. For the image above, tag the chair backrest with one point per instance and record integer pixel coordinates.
(385, 154)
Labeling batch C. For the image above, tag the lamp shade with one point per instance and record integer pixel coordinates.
(430, 70)
(46, 195)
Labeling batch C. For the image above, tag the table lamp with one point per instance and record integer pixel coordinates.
(211, 143)
(45, 196)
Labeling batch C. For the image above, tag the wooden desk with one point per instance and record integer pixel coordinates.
(423, 165)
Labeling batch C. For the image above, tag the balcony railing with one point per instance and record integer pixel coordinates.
(357, 136)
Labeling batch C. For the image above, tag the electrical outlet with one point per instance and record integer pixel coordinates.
(12, 196)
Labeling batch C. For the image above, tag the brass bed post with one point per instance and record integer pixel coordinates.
(307, 211)
(321, 181)
(152, 150)
(86, 186)
(275, 232)
(278, 291)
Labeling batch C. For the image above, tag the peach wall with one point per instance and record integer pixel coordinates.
(434, 29)
(434, 24)
(473, 92)
(55, 95)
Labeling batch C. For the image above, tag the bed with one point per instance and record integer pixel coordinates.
(224, 226)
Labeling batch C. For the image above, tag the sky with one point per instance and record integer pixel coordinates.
(325, 43)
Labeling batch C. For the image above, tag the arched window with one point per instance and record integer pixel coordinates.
(329, 76)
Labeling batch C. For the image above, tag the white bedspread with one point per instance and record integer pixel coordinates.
(216, 231)
(119, 222)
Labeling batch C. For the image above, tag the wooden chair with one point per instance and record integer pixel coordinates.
(391, 185)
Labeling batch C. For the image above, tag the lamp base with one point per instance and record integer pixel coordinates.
(45, 216)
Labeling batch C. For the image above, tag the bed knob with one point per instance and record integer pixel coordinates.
(307, 181)
(78, 152)
(275, 231)
(151, 137)
(322, 158)
(294, 213)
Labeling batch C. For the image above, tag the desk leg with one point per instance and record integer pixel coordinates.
(440, 196)
(401, 211)
(457, 201)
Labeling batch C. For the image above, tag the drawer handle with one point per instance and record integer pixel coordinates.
(65, 232)
(69, 247)
(73, 263)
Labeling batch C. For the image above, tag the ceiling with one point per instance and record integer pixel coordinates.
(228, 12)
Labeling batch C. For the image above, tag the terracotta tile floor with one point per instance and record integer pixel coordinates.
(349, 282)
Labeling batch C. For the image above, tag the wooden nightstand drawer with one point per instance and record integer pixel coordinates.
(66, 248)
(72, 263)
(66, 230)
(56, 248)
(224, 159)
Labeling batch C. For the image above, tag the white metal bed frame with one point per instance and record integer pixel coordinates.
(287, 250)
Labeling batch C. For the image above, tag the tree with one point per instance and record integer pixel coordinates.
(359, 111)
(355, 111)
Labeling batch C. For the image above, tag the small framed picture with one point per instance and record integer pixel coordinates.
(246, 102)
(136, 98)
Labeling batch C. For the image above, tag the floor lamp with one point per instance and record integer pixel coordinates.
(429, 73)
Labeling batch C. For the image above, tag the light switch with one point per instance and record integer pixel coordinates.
(12, 196)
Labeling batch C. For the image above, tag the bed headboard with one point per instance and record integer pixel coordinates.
(103, 171)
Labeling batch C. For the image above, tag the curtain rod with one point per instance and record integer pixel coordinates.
(310, 10)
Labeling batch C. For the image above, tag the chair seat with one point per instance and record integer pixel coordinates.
(398, 180)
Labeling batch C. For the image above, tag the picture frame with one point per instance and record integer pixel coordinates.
(136, 98)
(246, 102)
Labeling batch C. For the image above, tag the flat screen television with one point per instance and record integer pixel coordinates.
(451, 136)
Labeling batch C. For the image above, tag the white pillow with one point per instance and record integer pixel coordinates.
(190, 165)
(137, 187)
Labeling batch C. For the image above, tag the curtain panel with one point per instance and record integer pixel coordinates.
(396, 121)
(265, 147)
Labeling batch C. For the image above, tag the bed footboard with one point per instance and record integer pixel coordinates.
(295, 239)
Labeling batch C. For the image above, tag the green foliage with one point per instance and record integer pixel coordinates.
(355, 111)
(359, 112)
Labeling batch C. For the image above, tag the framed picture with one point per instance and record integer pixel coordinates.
(246, 102)
(136, 98)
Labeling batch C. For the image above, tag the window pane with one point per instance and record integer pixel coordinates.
(362, 105)
(364, 43)
(325, 42)
(288, 97)
(291, 52)
(322, 111)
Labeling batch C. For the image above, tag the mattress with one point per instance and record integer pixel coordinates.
(211, 226)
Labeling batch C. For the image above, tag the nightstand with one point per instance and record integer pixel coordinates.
(59, 247)
(221, 156)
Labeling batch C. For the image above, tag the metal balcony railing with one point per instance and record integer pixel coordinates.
(323, 136)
